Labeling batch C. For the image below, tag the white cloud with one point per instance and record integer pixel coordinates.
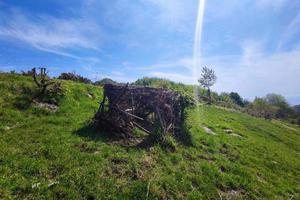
(251, 50)
(258, 76)
(172, 76)
(117, 73)
(180, 63)
(291, 31)
(277, 73)
(122, 78)
(274, 4)
(50, 34)
(5, 68)
(175, 14)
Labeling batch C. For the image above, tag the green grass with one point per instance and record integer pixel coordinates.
(46, 155)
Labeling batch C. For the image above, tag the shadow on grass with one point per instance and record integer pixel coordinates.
(24, 101)
(183, 136)
(91, 133)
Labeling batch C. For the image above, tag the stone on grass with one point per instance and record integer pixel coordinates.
(208, 130)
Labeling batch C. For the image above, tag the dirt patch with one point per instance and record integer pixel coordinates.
(83, 147)
(235, 135)
(148, 161)
(47, 106)
(119, 160)
(231, 133)
(204, 157)
(231, 194)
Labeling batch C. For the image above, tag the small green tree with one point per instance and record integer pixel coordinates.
(276, 100)
(261, 108)
(237, 98)
(283, 109)
(208, 78)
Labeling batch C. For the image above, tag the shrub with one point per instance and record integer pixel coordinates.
(28, 73)
(261, 108)
(74, 77)
(236, 98)
(105, 81)
(283, 109)
(48, 91)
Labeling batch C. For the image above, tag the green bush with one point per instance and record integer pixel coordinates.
(261, 108)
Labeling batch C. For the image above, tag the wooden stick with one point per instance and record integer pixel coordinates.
(170, 126)
(139, 126)
(132, 115)
(160, 119)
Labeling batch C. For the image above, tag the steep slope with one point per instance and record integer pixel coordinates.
(46, 155)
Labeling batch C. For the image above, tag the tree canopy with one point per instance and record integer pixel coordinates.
(237, 98)
(208, 77)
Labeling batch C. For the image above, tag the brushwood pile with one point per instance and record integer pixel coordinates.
(126, 107)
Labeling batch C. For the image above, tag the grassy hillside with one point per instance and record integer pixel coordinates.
(46, 155)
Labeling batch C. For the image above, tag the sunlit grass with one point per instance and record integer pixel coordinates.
(46, 155)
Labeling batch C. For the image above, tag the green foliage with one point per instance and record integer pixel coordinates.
(186, 91)
(283, 109)
(208, 77)
(27, 73)
(104, 81)
(138, 133)
(53, 94)
(297, 109)
(261, 108)
(276, 100)
(164, 83)
(237, 99)
(272, 106)
(169, 143)
(74, 77)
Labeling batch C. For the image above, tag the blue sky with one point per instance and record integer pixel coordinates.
(253, 45)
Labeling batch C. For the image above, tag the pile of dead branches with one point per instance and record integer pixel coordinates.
(125, 107)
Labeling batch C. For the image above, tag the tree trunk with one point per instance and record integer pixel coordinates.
(209, 96)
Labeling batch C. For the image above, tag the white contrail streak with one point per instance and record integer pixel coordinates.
(197, 42)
